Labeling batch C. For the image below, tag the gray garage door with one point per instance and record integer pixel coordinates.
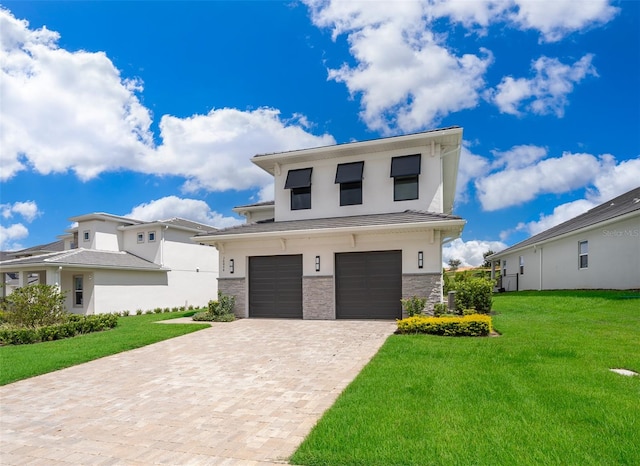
(369, 285)
(275, 286)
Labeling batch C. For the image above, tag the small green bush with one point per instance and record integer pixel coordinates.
(138, 312)
(35, 305)
(439, 309)
(220, 310)
(125, 313)
(474, 325)
(475, 293)
(414, 305)
(75, 325)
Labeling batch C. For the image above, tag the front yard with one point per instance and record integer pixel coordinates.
(542, 393)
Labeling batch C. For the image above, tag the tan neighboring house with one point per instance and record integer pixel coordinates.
(599, 249)
(109, 264)
(353, 229)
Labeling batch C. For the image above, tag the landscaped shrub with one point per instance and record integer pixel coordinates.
(75, 325)
(414, 305)
(474, 293)
(218, 311)
(439, 309)
(34, 306)
(474, 325)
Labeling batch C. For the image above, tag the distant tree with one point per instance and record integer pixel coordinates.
(487, 263)
(454, 264)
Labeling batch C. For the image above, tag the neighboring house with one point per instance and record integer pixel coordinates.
(353, 229)
(599, 249)
(110, 264)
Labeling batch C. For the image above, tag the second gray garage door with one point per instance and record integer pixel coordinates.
(369, 285)
(275, 286)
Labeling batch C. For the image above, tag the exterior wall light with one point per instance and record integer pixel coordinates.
(420, 259)
(317, 263)
(231, 266)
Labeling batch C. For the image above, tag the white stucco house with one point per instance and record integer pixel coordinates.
(353, 229)
(599, 249)
(109, 264)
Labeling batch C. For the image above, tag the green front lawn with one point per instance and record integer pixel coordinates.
(541, 393)
(23, 361)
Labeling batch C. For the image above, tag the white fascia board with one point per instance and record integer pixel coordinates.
(437, 225)
(626, 216)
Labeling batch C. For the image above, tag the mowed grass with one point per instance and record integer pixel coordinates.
(24, 361)
(542, 393)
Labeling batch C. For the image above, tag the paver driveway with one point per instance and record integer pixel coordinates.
(245, 392)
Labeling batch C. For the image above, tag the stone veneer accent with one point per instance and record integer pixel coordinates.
(423, 285)
(318, 298)
(235, 287)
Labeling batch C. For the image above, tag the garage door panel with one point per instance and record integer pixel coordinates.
(369, 285)
(275, 286)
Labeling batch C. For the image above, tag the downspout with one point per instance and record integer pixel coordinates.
(162, 230)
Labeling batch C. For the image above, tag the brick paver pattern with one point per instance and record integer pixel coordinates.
(239, 393)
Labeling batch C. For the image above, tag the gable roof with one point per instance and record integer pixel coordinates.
(55, 246)
(85, 258)
(625, 204)
(353, 223)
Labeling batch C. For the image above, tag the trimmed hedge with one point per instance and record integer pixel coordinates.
(75, 325)
(474, 325)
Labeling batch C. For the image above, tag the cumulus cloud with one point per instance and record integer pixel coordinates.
(546, 92)
(28, 210)
(406, 76)
(213, 151)
(471, 166)
(469, 252)
(64, 110)
(9, 236)
(514, 186)
(191, 209)
(611, 181)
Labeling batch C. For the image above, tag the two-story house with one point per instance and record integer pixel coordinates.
(109, 264)
(353, 229)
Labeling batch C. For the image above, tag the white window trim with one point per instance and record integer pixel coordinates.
(86, 235)
(581, 254)
(140, 237)
(151, 240)
(76, 291)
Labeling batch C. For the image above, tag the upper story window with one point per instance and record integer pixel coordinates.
(140, 237)
(349, 175)
(152, 236)
(86, 235)
(583, 254)
(299, 182)
(405, 171)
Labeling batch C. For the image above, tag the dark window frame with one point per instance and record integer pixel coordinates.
(405, 171)
(351, 193)
(583, 257)
(301, 198)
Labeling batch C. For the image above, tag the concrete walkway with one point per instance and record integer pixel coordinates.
(240, 393)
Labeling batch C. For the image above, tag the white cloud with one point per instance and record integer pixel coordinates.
(27, 210)
(611, 181)
(553, 175)
(65, 110)
(9, 235)
(518, 156)
(555, 19)
(471, 166)
(213, 151)
(407, 78)
(469, 252)
(547, 91)
(191, 209)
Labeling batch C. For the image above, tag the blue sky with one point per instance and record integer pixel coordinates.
(153, 109)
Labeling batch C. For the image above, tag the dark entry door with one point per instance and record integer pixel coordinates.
(369, 285)
(275, 286)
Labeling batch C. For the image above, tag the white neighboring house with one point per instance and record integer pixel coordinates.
(353, 229)
(109, 264)
(599, 249)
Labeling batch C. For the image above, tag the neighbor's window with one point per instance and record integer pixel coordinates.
(78, 289)
(299, 182)
(85, 235)
(583, 254)
(521, 260)
(140, 237)
(152, 236)
(504, 268)
(349, 175)
(405, 172)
